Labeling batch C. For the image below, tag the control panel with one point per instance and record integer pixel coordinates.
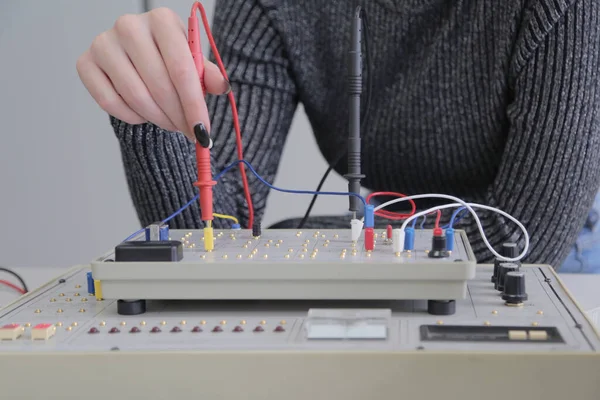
(63, 317)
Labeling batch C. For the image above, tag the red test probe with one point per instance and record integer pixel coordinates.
(205, 182)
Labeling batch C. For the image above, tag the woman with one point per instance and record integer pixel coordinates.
(494, 102)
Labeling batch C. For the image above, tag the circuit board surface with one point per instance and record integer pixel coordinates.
(286, 264)
(85, 324)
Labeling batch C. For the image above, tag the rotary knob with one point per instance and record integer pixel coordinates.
(514, 288)
(508, 250)
(504, 269)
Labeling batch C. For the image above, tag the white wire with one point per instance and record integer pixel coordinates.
(468, 206)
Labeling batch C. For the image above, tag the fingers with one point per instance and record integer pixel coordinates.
(103, 92)
(213, 79)
(173, 46)
(137, 41)
(142, 70)
(115, 63)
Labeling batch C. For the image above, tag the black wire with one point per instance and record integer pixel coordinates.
(146, 5)
(362, 124)
(8, 271)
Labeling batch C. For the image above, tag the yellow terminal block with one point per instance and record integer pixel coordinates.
(209, 239)
(98, 289)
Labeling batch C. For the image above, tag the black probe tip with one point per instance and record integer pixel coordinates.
(202, 135)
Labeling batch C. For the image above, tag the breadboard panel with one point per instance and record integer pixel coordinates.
(308, 247)
(289, 264)
(85, 324)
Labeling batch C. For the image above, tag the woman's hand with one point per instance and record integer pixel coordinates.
(142, 70)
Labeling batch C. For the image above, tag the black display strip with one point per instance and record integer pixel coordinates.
(498, 334)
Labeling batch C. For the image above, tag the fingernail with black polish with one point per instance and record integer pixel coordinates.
(202, 135)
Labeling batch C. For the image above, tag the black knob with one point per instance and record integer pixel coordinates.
(504, 269)
(256, 229)
(497, 263)
(514, 288)
(508, 250)
(438, 247)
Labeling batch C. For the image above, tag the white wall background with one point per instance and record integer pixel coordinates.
(63, 196)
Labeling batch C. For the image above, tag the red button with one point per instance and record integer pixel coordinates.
(155, 329)
(217, 329)
(113, 330)
(135, 329)
(93, 330)
(259, 329)
(279, 329)
(197, 329)
(238, 329)
(176, 329)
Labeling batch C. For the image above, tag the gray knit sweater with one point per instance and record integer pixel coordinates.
(496, 102)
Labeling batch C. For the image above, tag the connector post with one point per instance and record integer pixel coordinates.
(398, 240)
(369, 239)
(209, 239)
(450, 239)
(409, 239)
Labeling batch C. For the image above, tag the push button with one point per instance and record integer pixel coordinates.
(538, 335)
(43, 331)
(517, 335)
(11, 332)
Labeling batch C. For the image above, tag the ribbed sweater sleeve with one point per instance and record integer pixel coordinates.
(549, 172)
(160, 165)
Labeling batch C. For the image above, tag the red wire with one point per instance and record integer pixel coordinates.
(12, 286)
(437, 231)
(389, 214)
(236, 122)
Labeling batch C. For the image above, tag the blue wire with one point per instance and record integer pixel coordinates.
(414, 223)
(176, 213)
(456, 217)
(289, 190)
(260, 178)
(170, 217)
(134, 234)
(423, 222)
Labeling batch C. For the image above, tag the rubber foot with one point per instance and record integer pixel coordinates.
(131, 307)
(441, 307)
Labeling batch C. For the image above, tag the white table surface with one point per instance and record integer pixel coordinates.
(584, 287)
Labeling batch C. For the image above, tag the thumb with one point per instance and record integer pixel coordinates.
(214, 80)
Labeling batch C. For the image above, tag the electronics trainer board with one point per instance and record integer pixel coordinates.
(288, 264)
(543, 347)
